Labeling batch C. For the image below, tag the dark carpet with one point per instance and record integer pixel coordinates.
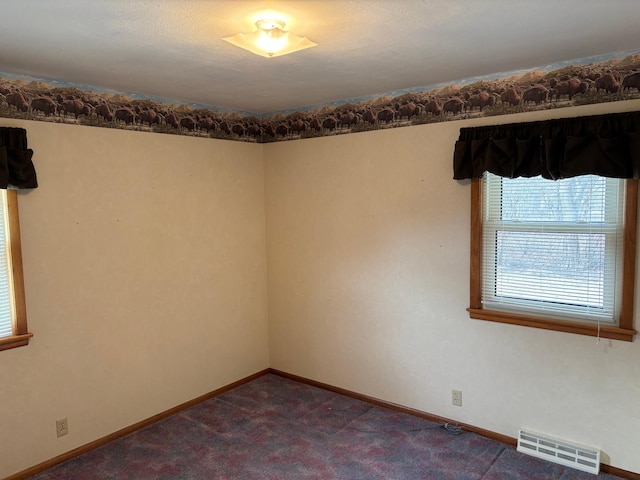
(275, 428)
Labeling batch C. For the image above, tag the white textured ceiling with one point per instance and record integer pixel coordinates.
(173, 48)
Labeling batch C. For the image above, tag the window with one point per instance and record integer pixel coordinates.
(13, 319)
(558, 255)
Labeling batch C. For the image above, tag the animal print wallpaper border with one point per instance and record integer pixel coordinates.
(605, 78)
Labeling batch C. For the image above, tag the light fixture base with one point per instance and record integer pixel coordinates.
(270, 39)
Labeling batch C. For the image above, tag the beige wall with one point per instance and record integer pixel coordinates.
(367, 246)
(145, 276)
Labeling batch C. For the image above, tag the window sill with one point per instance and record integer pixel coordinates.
(605, 331)
(15, 341)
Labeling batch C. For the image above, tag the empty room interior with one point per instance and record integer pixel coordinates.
(161, 267)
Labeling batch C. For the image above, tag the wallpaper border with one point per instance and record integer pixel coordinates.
(606, 78)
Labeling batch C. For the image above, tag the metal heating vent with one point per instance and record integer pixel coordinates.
(580, 457)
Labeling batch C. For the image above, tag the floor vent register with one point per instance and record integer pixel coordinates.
(563, 452)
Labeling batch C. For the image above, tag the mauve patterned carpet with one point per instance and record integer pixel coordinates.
(275, 428)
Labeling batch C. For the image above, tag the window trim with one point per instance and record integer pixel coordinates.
(21, 334)
(624, 331)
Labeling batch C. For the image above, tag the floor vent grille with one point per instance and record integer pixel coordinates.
(565, 453)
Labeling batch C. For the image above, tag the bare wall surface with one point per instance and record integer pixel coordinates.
(145, 277)
(368, 267)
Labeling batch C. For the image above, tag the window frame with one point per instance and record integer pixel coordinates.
(623, 331)
(21, 334)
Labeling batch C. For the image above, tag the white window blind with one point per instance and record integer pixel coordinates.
(7, 309)
(553, 248)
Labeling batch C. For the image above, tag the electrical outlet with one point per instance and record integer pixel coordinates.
(456, 397)
(62, 427)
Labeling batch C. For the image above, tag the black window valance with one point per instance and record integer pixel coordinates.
(16, 168)
(605, 145)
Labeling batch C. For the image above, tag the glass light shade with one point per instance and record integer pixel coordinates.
(270, 40)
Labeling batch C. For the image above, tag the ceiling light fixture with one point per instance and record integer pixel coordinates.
(270, 40)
